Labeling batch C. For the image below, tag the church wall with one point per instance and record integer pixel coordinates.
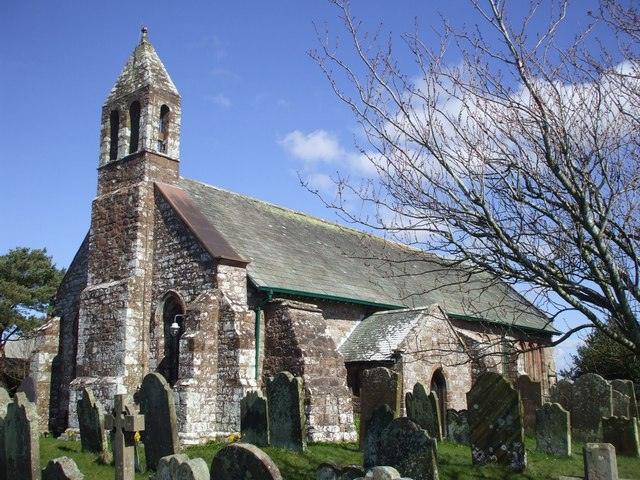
(342, 318)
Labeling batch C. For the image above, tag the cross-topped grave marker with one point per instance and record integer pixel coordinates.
(125, 421)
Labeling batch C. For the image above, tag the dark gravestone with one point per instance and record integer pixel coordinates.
(21, 439)
(63, 468)
(378, 422)
(243, 461)
(627, 387)
(194, 469)
(620, 404)
(562, 393)
(409, 449)
(457, 426)
(327, 471)
(167, 468)
(157, 404)
(424, 410)
(29, 387)
(553, 430)
(600, 462)
(93, 436)
(5, 400)
(531, 397)
(592, 400)
(351, 472)
(286, 411)
(254, 419)
(495, 422)
(622, 433)
(378, 386)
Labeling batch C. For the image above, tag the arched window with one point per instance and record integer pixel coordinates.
(134, 116)
(172, 315)
(114, 131)
(439, 386)
(163, 130)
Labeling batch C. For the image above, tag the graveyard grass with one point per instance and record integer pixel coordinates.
(454, 461)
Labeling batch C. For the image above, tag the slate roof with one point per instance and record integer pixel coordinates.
(292, 252)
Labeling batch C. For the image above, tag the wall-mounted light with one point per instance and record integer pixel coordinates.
(174, 328)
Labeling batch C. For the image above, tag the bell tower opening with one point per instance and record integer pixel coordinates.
(163, 129)
(114, 132)
(134, 118)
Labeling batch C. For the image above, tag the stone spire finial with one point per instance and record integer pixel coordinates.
(143, 33)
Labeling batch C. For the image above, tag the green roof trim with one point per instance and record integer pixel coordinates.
(322, 296)
(548, 329)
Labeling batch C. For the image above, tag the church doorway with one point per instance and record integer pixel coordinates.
(439, 386)
(173, 326)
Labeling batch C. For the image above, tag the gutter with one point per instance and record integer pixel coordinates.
(469, 318)
(335, 298)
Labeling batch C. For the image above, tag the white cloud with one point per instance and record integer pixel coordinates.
(317, 146)
(320, 182)
(220, 100)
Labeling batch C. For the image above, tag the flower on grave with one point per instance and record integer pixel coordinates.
(234, 437)
(136, 437)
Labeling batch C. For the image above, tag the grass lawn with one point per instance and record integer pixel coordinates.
(454, 461)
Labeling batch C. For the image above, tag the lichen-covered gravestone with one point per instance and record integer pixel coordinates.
(157, 404)
(409, 449)
(180, 467)
(243, 461)
(378, 386)
(286, 411)
(424, 410)
(620, 404)
(600, 462)
(495, 422)
(63, 468)
(622, 433)
(457, 426)
(327, 471)
(592, 400)
(5, 400)
(93, 436)
(351, 472)
(553, 430)
(627, 387)
(254, 419)
(562, 393)
(167, 468)
(378, 422)
(531, 397)
(22, 449)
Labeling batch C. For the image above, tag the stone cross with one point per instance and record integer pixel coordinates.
(125, 421)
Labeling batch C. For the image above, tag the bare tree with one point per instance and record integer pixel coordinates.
(521, 160)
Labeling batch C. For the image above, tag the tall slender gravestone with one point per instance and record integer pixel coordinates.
(424, 410)
(254, 419)
(457, 426)
(531, 396)
(495, 422)
(157, 404)
(627, 387)
(622, 433)
(286, 411)
(378, 386)
(21, 445)
(125, 421)
(562, 393)
(5, 400)
(378, 422)
(93, 436)
(553, 430)
(592, 400)
(243, 461)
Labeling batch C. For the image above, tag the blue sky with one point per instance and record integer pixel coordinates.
(256, 109)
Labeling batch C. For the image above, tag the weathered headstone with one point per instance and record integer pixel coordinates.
(5, 400)
(157, 404)
(194, 469)
(553, 430)
(592, 400)
(254, 419)
(622, 433)
(620, 404)
(63, 468)
(378, 386)
(22, 450)
(562, 393)
(382, 473)
(457, 426)
(600, 462)
(29, 387)
(351, 472)
(243, 461)
(531, 397)
(93, 436)
(168, 466)
(125, 421)
(286, 411)
(495, 422)
(378, 422)
(409, 449)
(627, 387)
(327, 471)
(424, 410)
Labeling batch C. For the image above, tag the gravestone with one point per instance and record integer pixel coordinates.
(424, 410)
(93, 436)
(553, 430)
(254, 419)
(5, 400)
(194, 469)
(351, 472)
(600, 462)
(157, 404)
(592, 400)
(457, 426)
(562, 393)
(378, 386)
(29, 387)
(495, 422)
(622, 433)
(627, 387)
(620, 403)
(63, 468)
(382, 473)
(327, 471)
(286, 411)
(531, 397)
(378, 422)
(168, 466)
(22, 450)
(125, 421)
(243, 461)
(409, 449)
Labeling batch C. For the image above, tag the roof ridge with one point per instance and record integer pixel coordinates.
(401, 310)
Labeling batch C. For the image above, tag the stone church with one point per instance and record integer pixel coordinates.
(218, 291)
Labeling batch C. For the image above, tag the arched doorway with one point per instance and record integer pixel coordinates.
(439, 386)
(173, 311)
